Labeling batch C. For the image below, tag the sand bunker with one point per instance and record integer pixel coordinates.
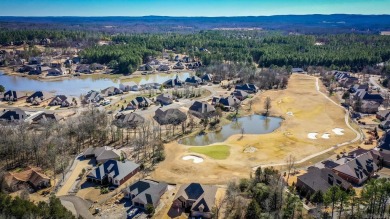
(195, 159)
(312, 135)
(250, 150)
(290, 113)
(338, 131)
(325, 136)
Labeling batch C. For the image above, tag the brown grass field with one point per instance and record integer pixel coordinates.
(312, 113)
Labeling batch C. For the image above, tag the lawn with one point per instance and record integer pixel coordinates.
(218, 152)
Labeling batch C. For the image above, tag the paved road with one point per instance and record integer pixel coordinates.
(346, 118)
(81, 206)
(374, 81)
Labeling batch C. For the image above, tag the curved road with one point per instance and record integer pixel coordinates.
(346, 117)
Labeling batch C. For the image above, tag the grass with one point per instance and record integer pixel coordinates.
(218, 152)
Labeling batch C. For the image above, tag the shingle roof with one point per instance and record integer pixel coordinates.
(117, 169)
(202, 107)
(203, 195)
(360, 168)
(13, 114)
(229, 101)
(166, 116)
(147, 191)
(322, 179)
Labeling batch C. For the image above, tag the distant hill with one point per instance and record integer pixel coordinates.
(337, 23)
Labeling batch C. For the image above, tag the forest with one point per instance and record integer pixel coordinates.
(348, 52)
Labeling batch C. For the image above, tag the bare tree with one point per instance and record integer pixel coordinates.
(267, 105)
(290, 165)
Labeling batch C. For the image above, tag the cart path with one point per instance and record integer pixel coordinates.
(346, 118)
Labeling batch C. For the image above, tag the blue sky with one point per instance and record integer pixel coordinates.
(189, 7)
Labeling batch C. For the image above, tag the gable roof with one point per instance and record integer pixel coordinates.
(117, 169)
(13, 114)
(229, 101)
(166, 116)
(45, 116)
(384, 142)
(240, 93)
(147, 191)
(14, 94)
(130, 119)
(193, 80)
(32, 175)
(322, 179)
(202, 107)
(203, 195)
(360, 168)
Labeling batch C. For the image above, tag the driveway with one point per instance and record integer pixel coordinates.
(81, 206)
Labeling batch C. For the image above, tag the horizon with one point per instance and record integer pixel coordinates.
(190, 8)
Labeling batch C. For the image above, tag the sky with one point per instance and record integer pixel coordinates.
(209, 8)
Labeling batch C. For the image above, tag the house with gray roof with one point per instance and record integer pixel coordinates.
(200, 199)
(358, 170)
(382, 114)
(166, 116)
(102, 154)
(249, 88)
(176, 82)
(179, 65)
(165, 99)
(13, 115)
(60, 100)
(129, 120)
(44, 117)
(207, 78)
(114, 172)
(240, 94)
(13, 95)
(111, 91)
(92, 97)
(369, 107)
(129, 86)
(202, 109)
(193, 81)
(139, 102)
(145, 192)
(317, 179)
(366, 96)
(37, 97)
(227, 103)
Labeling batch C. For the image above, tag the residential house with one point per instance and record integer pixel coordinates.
(43, 117)
(146, 67)
(150, 86)
(187, 59)
(27, 68)
(102, 154)
(34, 61)
(37, 70)
(207, 78)
(249, 88)
(365, 96)
(139, 102)
(382, 114)
(227, 103)
(129, 120)
(13, 95)
(359, 87)
(193, 81)
(83, 69)
(177, 58)
(97, 66)
(56, 72)
(114, 172)
(92, 97)
(60, 100)
(199, 199)
(45, 41)
(176, 82)
(179, 65)
(358, 170)
(384, 141)
(31, 178)
(129, 86)
(385, 124)
(13, 115)
(145, 192)
(369, 107)
(194, 65)
(154, 62)
(38, 97)
(240, 94)
(163, 68)
(317, 179)
(202, 110)
(111, 91)
(166, 116)
(347, 82)
(297, 70)
(165, 99)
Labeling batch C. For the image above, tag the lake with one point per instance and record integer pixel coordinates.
(75, 86)
(254, 124)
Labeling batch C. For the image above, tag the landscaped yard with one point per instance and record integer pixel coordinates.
(218, 152)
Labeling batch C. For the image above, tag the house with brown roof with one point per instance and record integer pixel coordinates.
(31, 178)
(199, 199)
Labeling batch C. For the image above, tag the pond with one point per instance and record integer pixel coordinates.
(254, 124)
(79, 85)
